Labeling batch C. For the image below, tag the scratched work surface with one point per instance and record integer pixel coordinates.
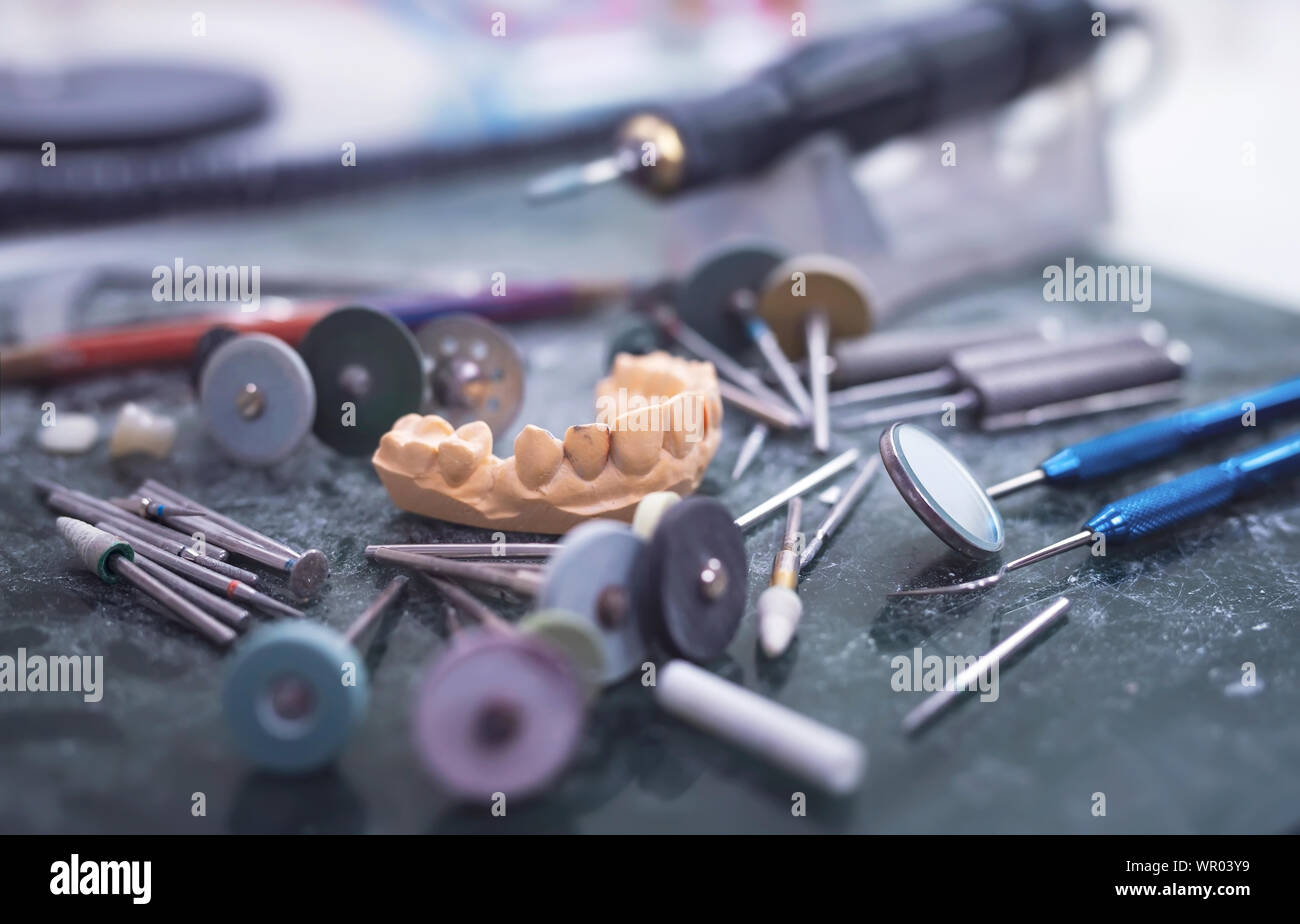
(1137, 696)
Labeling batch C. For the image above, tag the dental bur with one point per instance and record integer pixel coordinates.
(779, 606)
(108, 557)
(1017, 641)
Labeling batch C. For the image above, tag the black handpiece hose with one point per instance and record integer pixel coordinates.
(867, 87)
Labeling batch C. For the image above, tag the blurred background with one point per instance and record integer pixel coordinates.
(1201, 179)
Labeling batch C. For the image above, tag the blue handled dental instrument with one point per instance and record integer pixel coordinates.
(941, 489)
(1156, 439)
(1157, 508)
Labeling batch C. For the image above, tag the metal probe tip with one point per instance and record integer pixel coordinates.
(574, 179)
(1084, 537)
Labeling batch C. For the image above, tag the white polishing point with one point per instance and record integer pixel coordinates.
(779, 609)
(71, 434)
(650, 509)
(138, 430)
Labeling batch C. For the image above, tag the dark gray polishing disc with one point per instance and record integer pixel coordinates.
(206, 345)
(368, 371)
(691, 583)
(475, 371)
(637, 338)
(705, 297)
(124, 104)
(256, 399)
(590, 575)
(498, 714)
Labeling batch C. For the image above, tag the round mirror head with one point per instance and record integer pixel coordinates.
(941, 490)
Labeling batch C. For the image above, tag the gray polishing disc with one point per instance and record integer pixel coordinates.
(705, 298)
(691, 582)
(590, 575)
(256, 399)
(368, 371)
(475, 371)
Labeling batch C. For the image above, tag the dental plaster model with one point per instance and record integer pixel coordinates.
(657, 427)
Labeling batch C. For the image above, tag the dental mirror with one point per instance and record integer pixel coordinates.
(941, 490)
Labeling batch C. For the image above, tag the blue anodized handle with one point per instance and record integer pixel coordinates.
(1165, 436)
(1164, 505)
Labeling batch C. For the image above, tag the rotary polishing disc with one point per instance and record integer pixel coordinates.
(256, 399)
(690, 584)
(590, 576)
(498, 714)
(475, 371)
(283, 700)
(816, 282)
(637, 338)
(705, 298)
(368, 371)
(574, 637)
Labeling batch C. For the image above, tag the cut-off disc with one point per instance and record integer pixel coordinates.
(293, 694)
(590, 575)
(691, 582)
(256, 399)
(705, 299)
(475, 371)
(368, 371)
(498, 714)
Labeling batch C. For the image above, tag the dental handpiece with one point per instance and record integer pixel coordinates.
(1158, 508)
(1058, 378)
(1156, 439)
(866, 87)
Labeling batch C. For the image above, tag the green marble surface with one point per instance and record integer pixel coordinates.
(1137, 695)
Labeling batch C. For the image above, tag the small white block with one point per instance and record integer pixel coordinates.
(71, 434)
(799, 745)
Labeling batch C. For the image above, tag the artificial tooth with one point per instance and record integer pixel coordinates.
(635, 444)
(537, 456)
(586, 446)
(462, 452)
